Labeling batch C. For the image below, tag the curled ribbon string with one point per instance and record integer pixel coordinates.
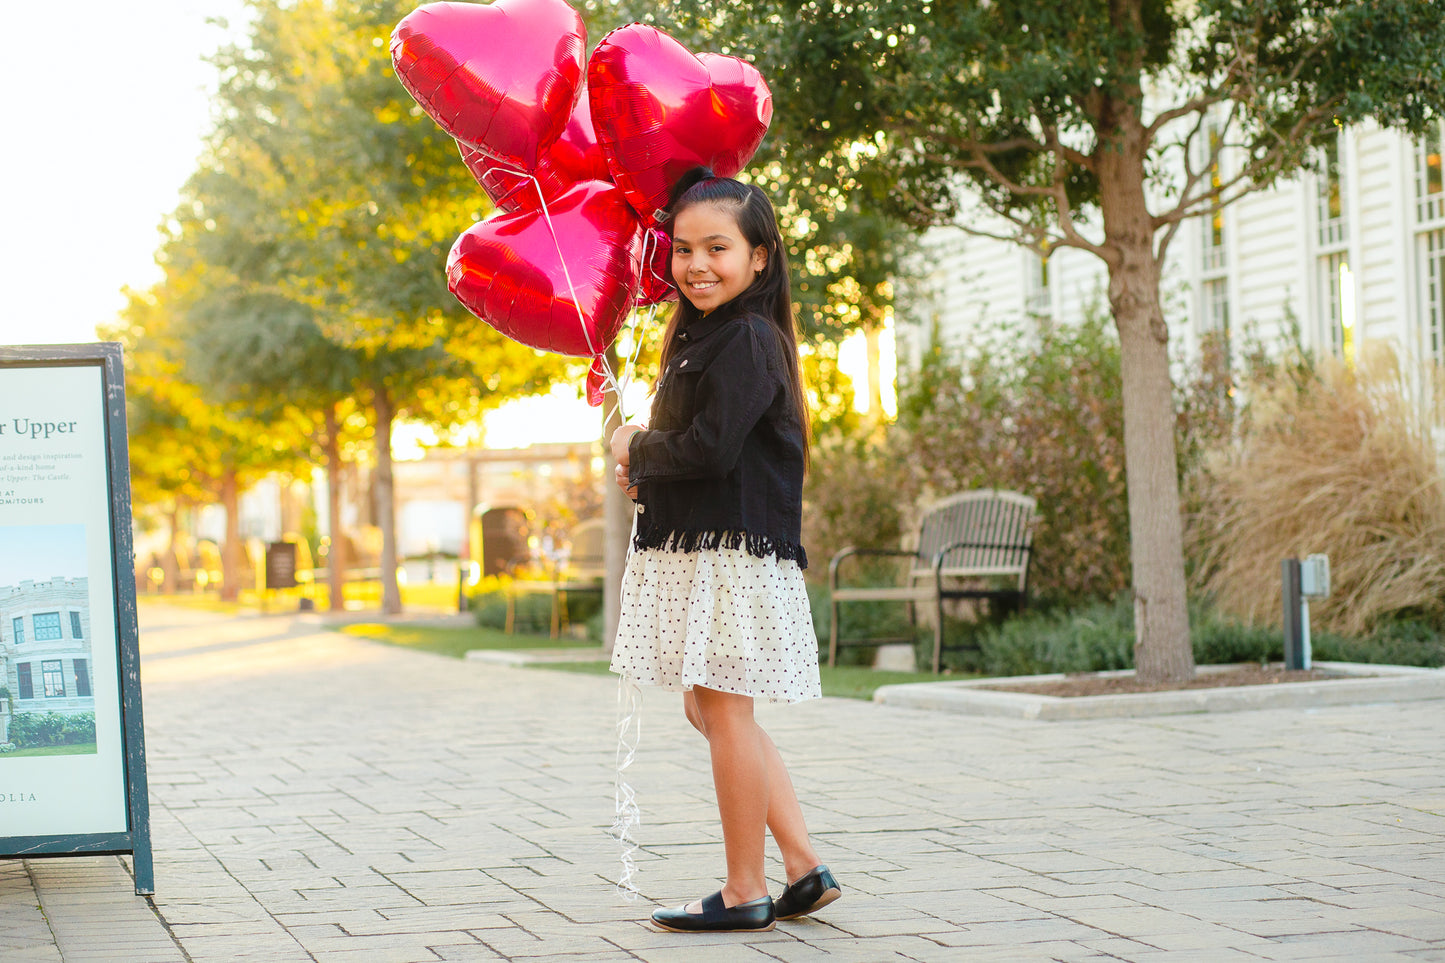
(628, 815)
(620, 381)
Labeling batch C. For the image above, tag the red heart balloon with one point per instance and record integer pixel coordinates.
(655, 284)
(507, 271)
(660, 111)
(596, 383)
(574, 157)
(501, 77)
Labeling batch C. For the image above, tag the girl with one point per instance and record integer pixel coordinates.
(713, 603)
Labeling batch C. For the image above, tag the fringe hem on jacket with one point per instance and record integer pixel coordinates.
(758, 546)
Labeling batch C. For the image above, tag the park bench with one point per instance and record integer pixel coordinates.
(975, 545)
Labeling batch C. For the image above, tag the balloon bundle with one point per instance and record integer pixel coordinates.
(578, 154)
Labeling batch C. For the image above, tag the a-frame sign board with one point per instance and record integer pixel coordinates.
(72, 743)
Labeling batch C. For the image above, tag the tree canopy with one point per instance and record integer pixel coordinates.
(1095, 124)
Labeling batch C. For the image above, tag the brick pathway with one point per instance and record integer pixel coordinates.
(315, 797)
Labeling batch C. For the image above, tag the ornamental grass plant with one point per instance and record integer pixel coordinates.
(1335, 460)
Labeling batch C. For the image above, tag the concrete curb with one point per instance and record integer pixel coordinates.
(1385, 683)
(535, 656)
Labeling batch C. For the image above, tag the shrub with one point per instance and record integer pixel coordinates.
(32, 730)
(1094, 638)
(859, 621)
(851, 497)
(1040, 413)
(1100, 637)
(1329, 460)
(78, 728)
(1399, 641)
(532, 613)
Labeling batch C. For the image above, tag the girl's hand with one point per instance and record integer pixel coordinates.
(620, 454)
(620, 437)
(620, 475)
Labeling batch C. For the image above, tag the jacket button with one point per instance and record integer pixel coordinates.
(682, 336)
(641, 509)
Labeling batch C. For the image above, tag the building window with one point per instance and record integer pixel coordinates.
(18, 625)
(27, 687)
(1330, 202)
(47, 626)
(1036, 298)
(1213, 220)
(1430, 176)
(75, 632)
(54, 679)
(82, 677)
(1337, 301)
(1432, 299)
(1214, 240)
(1214, 310)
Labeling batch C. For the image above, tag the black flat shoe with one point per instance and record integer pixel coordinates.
(755, 916)
(807, 894)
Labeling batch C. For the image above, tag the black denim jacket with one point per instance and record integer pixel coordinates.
(722, 462)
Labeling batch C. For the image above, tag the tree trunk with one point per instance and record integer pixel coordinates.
(386, 503)
(1162, 649)
(170, 562)
(336, 560)
(617, 526)
(231, 555)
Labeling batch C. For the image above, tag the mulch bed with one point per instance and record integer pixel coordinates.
(1092, 685)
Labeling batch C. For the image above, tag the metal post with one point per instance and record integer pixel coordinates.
(1304, 619)
(1294, 639)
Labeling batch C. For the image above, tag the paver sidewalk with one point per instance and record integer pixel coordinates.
(317, 797)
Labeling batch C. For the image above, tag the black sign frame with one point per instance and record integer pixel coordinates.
(136, 839)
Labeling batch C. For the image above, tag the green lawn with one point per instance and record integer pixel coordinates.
(78, 749)
(850, 682)
(455, 642)
(844, 681)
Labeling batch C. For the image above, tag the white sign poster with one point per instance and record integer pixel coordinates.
(62, 738)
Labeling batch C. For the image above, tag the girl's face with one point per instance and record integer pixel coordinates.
(712, 262)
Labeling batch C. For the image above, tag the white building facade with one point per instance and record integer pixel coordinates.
(45, 649)
(1355, 251)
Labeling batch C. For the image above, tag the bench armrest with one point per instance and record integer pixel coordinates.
(837, 559)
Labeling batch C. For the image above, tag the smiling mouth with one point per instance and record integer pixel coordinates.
(702, 285)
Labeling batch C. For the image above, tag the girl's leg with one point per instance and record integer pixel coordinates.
(785, 815)
(740, 776)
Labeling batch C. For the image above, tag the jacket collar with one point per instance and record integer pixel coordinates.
(705, 326)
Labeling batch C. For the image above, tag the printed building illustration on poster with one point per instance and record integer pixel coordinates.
(47, 699)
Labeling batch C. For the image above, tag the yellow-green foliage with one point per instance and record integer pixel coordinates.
(1338, 461)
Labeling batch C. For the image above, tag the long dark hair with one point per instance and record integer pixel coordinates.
(770, 294)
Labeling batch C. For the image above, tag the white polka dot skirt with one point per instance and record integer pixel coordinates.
(721, 619)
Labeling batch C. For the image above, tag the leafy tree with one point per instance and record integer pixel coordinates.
(846, 252)
(1090, 124)
(320, 219)
(185, 449)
